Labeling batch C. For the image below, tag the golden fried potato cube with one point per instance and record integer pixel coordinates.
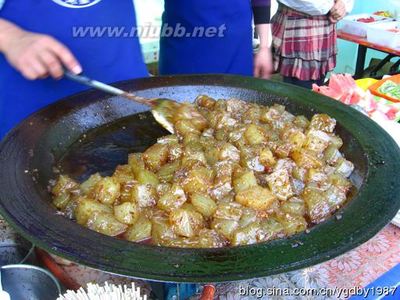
(292, 224)
(294, 206)
(332, 155)
(224, 227)
(192, 138)
(140, 230)
(297, 186)
(317, 206)
(250, 159)
(297, 139)
(209, 238)
(236, 135)
(185, 127)
(186, 165)
(205, 101)
(286, 164)
(189, 112)
(175, 151)
(189, 206)
(335, 196)
(107, 190)
(316, 175)
(344, 167)
(163, 188)
(126, 213)
(61, 201)
(233, 106)
(168, 139)
(70, 208)
(255, 135)
(156, 156)
(225, 168)
(162, 231)
(287, 118)
(126, 191)
(279, 183)
(106, 223)
(306, 159)
(200, 122)
(272, 229)
(299, 173)
(87, 207)
(203, 204)
(221, 190)
(257, 197)
(269, 115)
(249, 215)
(248, 235)
(244, 181)
(63, 185)
(144, 195)
(166, 172)
(221, 134)
(193, 151)
(172, 199)
(338, 180)
(252, 115)
(193, 146)
(147, 177)
(283, 149)
(215, 119)
(123, 173)
(336, 141)
(88, 185)
(223, 179)
(229, 152)
(198, 180)
(211, 154)
(323, 122)
(228, 211)
(301, 122)
(135, 161)
(267, 158)
(186, 222)
(317, 141)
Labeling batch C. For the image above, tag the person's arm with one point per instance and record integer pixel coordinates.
(263, 66)
(35, 55)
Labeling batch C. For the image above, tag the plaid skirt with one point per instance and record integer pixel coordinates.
(304, 46)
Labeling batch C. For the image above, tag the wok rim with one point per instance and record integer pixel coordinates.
(387, 150)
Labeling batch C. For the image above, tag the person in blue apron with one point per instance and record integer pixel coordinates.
(38, 37)
(214, 36)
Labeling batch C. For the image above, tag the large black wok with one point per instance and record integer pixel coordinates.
(94, 132)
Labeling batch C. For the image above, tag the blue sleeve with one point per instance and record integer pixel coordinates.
(261, 11)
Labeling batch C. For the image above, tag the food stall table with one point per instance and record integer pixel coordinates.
(363, 46)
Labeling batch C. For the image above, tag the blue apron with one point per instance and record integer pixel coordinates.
(107, 58)
(230, 54)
